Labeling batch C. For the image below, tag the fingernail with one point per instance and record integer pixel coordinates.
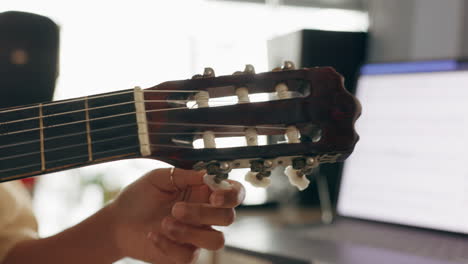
(178, 210)
(218, 199)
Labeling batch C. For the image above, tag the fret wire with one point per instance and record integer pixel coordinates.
(66, 135)
(64, 147)
(41, 126)
(69, 158)
(88, 131)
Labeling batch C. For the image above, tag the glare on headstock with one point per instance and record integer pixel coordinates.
(310, 107)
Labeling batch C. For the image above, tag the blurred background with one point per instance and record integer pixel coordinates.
(108, 45)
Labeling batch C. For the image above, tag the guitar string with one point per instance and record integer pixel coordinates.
(213, 125)
(77, 122)
(104, 140)
(97, 153)
(65, 147)
(93, 97)
(125, 114)
(68, 158)
(102, 107)
(66, 135)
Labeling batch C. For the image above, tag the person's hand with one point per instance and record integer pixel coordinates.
(167, 219)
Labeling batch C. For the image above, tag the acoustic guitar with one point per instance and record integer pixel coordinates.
(310, 107)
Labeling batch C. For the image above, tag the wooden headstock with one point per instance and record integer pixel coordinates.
(310, 106)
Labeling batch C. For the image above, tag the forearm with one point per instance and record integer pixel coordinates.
(91, 241)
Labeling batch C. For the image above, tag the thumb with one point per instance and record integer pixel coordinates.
(173, 179)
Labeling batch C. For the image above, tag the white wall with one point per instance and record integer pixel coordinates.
(404, 30)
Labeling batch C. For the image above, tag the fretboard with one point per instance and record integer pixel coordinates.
(48, 137)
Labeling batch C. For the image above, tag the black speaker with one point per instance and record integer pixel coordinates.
(29, 45)
(346, 52)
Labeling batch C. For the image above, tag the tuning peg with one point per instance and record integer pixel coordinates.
(282, 91)
(216, 175)
(312, 163)
(288, 65)
(293, 134)
(208, 72)
(249, 68)
(251, 136)
(257, 179)
(202, 98)
(297, 178)
(214, 182)
(242, 95)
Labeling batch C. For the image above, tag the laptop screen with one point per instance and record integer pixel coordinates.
(411, 164)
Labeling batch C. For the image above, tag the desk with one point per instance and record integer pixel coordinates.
(261, 233)
(264, 236)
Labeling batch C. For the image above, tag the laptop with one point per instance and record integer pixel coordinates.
(405, 188)
(404, 192)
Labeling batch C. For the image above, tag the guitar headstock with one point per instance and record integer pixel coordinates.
(310, 107)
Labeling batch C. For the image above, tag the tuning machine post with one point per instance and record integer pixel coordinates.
(216, 175)
(287, 65)
(260, 172)
(299, 169)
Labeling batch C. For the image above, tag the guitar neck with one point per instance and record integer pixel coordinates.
(54, 136)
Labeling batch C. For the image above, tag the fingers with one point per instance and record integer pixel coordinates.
(204, 237)
(228, 198)
(179, 253)
(179, 179)
(203, 214)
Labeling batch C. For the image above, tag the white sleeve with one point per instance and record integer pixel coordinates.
(17, 221)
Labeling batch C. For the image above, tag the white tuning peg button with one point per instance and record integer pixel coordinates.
(301, 182)
(213, 185)
(252, 178)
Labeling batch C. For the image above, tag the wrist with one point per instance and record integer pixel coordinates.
(108, 218)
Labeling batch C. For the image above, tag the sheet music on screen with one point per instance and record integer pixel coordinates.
(411, 163)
